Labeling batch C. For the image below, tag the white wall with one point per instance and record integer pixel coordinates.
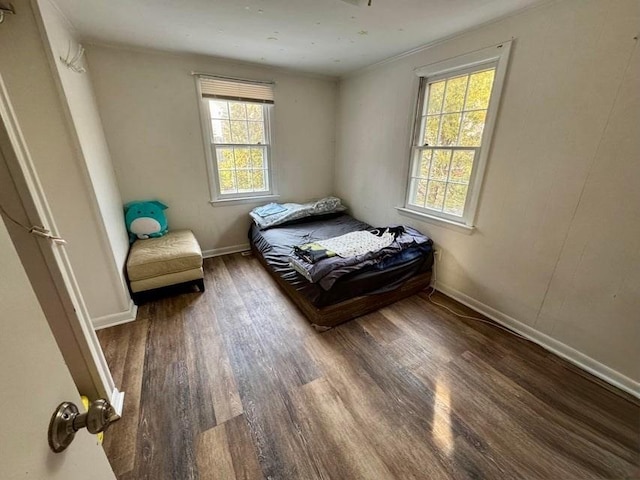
(35, 387)
(149, 109)
(86, 124)
(557, 245)
(34, 95)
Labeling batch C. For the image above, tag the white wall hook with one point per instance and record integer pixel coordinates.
(6, 10)
(73, 63)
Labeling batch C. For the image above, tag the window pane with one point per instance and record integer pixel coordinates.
(243, 160)
(239, 133)
(257, 158)
(227, 181)
(256, 132)
(419, 192)
(435, 195)
(238, 110)
(480, 85)
(254, 111)
(440, 164)
(243, 167)
(431, 130)
(449, 129)
(436, 93)
(424, 163)
(472, 127)
(454, 94)
(221, 131)
(218, 109)
(224, 156)
(245, 181)
(259, 180)
(456, 196)
(461, 166)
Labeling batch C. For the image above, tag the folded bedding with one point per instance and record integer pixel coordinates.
(269, 209)
(354, 251)
(299, 267)
(313, 252)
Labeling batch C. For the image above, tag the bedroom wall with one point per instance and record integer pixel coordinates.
(149, 108)
(557, 246)
(33, 92)
(85, 123)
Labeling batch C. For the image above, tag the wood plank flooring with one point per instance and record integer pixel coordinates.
(235, 384)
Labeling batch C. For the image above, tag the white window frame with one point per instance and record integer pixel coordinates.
(498, 56)
(216, 197)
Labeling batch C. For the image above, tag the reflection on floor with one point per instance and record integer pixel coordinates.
(234, 383)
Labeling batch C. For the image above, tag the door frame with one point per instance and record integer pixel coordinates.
(76, 324)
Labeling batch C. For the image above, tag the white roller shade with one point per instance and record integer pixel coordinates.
(238, 90)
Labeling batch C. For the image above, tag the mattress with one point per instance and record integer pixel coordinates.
(276, 244)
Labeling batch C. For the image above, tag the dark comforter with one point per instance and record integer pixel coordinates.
(276, 246)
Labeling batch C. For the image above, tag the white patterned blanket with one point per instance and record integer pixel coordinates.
(356, 243)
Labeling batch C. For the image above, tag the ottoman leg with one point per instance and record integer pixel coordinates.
(200, 284)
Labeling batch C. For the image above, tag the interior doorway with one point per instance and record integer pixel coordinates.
(44, 257)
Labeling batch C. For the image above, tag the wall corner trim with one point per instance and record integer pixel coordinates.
(114, 319)
(550, 344)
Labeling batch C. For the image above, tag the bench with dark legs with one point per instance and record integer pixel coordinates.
(173, 259)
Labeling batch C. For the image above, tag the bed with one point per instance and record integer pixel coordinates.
(353, 294)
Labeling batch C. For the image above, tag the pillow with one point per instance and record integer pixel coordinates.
(314, 218)
(288, 212)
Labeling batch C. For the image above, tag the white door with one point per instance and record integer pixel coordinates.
(46, 263)
(34, 381)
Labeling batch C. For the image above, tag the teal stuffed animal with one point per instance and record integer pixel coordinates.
(145, 219)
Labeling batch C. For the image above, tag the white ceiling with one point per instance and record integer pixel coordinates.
(330, 37)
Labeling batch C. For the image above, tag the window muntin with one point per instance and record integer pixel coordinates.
(448, 140)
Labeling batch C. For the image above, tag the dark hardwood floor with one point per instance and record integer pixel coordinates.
(235, 384)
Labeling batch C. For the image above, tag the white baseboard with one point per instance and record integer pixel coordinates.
(116, 318)
(216, 252)
(117, 401)
(548, 343)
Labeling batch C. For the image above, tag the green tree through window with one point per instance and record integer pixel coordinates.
(458, 101)
(451, 126)
(239, 136)
(237, 125)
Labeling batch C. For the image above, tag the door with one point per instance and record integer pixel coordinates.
(35, 380)
(24, 204)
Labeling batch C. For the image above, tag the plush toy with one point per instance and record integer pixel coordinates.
(145, 219)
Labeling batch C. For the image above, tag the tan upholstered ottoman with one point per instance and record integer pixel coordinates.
(168, 260)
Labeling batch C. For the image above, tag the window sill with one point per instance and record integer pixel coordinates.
(441, 222)
(242, 200)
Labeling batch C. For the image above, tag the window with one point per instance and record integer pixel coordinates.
(457, 104)
(236, 117)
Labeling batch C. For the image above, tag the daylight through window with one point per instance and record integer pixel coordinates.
(457, 106)
(452, 123)
(238, 120)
